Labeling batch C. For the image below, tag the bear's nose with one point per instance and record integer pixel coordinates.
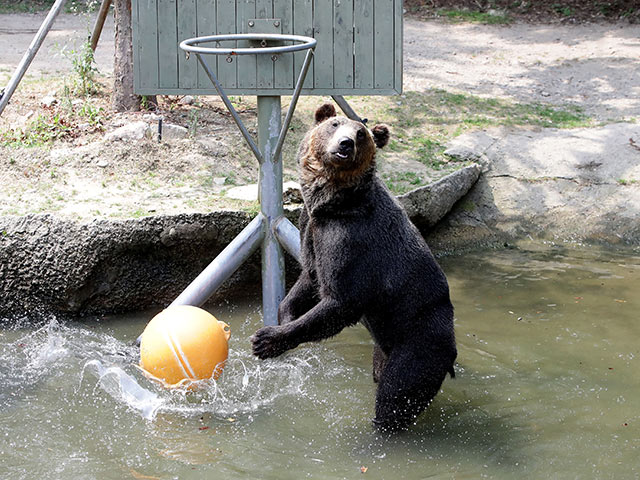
(346, 145)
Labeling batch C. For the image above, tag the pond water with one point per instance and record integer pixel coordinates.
(547, 385)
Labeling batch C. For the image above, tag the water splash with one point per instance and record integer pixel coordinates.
(245, 387)
(123, 387)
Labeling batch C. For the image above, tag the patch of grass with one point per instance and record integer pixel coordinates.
(422, 123)
(252, 208)
(231, 178)
(428, 150)
(139, 213)
(43, 130)
(493, 112)
(626, 182)
(489, 18)
(84, 69)
(468, 206)
(563, 9)
(194, 116)
(402, 182)
(95, 116)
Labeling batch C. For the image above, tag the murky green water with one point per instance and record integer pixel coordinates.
(548, 386)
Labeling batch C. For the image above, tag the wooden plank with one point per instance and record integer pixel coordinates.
(206, 25)
(136, 43)
(303, 25)
(226, 23)
(264, 9)
(247, 71)
(187, 28)
(363, 59)
(363, 43)
(167, 43)
(383, 44)
(148, 44)
(283, 68)
(270, 91)
(323, 33)
(399, 38)
(343, 44)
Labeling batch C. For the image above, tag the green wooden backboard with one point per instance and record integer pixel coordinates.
(359, 49)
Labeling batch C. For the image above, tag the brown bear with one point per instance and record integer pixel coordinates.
(363, 260)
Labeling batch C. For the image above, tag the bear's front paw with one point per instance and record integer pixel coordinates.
(269, 342)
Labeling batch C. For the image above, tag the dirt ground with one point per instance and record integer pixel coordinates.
(593, 66)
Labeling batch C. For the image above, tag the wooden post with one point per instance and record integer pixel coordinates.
(36, 43)
(124, 99)
(97, 28)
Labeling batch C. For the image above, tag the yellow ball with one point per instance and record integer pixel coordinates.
(184, 343)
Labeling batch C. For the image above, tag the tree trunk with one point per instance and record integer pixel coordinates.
(123, 97)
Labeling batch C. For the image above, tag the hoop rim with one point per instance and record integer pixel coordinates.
(191, 44)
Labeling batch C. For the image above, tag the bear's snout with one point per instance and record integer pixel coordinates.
(346, 146)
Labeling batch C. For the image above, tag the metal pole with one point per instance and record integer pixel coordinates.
(273, 286)
(97, 27)
(36, 43)
(289, 236)
(346, 109)
(223, 266)
(294, 101)
(225, 99)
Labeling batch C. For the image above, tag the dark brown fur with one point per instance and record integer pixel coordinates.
(363, 260)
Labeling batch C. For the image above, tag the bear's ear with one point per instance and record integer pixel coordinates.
(325, 111)
(380, 135)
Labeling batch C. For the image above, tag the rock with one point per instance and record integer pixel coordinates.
(219, 180)
(48, 101)
(467, 149)
(244, 192)
(129, 132)
(463, 154)
(60, 266)
(187, 100)
(103, 163)
(291, 193)
(151, 117)
(580, 184)
(427, 205)
(173, 132)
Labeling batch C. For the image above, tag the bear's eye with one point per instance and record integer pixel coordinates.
(334, 124)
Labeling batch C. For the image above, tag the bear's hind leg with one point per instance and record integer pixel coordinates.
(379, 362)
(408, 383)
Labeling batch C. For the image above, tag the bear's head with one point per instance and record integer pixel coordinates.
(339, 150)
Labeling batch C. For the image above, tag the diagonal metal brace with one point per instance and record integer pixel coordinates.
(236, 117)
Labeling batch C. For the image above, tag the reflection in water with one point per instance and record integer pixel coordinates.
(546, 386)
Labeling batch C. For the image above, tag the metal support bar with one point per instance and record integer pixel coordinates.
(346, 108)
(36, 43)
(223, 266)
(270, 227)
(273, 281)
(97, 27)
(294, 102)
(289, 236)
(234, 114)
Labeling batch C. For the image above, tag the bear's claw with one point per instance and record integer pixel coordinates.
(268, 342)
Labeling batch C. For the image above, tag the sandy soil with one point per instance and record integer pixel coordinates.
(594, 66)
(70, 31)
